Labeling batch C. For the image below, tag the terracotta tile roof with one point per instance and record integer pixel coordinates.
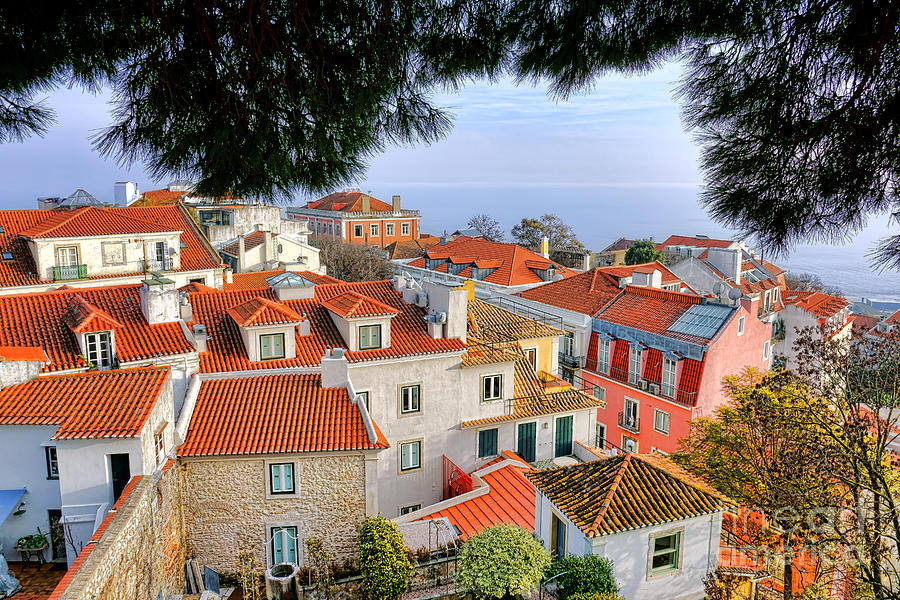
(349, 202)
(257, 279)
(196, 288)
(817, 303)
(584, 293)
(686, 240)
(492, 323)
(90, 221)
(95, 404)
(621, 271)
(653, 311)
(40, 319)
(626, 492)
(405, 249)
(262, 311)
(516, 262)
(351, 304)
(26, 353)
(161, 197)
(510, 499)
(863, 323)
(619, 244)
(251, 241)
(83, 317)
(272, 414)
(409, 335)
(20, 270)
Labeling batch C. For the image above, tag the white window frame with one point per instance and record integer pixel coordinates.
(280, 467)
(637, 409)
(272, 335)
(412, 410)
(531, 354)
(368, 328)
(668, 419)
(741, 322)
(678, 551)
(389, 229)
(159, 442)
(669, 375)
(567, 343)
(635, 359)
(373, 229)
(366, 396)
(52, 459)
(66, 262)
(600, 435)
(495, 381)
(602, 394)
(603, 350)
(404, 228)
(101, 354)
(409, 444)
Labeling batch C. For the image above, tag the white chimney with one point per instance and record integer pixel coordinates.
(335, 369)
(651, 279)
(452, 301)
(126, 192)
(160, 301)
(545, 247)
(268, 246)
(242, 251)
(229, 275)
(200, 337)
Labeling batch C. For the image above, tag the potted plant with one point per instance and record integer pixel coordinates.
(33, 542)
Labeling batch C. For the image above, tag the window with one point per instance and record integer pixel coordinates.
(159, 440)
(373, 229)
(389, 229)
(567, 344)
(531, 355)
(603, 356)
(631, 413)
(405, 510)
(661, 421)
(99, 351)
(557, 537)
(410, 456)
(600, 393)
(271, 345)
(666, 553)
(404, 228)
(357, 231)
(159, 251)
(409, 399)
(281, 478)
(369, 337)
(284, 545)
(741, 326)
(567, 374)
(52, 463)
(492, 387)
(668, 377)
(365, 399)
(600, 437)
(67, 256)
(634, 364)
(487, 442)
(766, 350)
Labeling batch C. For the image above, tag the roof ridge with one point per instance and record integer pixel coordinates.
(79, 374)
(607, 501)
(649, 292)
(62, 222)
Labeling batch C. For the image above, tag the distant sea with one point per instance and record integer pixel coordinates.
(602, 214)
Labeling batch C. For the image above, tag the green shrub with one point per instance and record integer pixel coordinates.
(501, 561)
(596, 596)
(582, 576)
(383, 559)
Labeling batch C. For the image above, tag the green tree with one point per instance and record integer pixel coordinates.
(500, 562)
(582, 575)
(383, 559)
(528, 232)
(643, 251)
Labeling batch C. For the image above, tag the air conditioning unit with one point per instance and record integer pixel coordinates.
(643, 384)
(422, 299)
(654, 389)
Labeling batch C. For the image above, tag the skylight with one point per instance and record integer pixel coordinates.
(701, 320)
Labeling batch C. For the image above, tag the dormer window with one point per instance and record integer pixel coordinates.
(95, 331)
(98, 349)
(271, 345)
(268, 328)
(369, 337)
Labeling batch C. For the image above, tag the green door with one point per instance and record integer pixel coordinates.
(527, 437)
(564, 436)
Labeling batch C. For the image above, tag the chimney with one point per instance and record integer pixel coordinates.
(125, 193)
(20, 364)
(335, 369)
(545, 247)
(366, 203)
(728, 261)
(229, 275)
(242, 251)
(160, 301)
(268, 246)
(452, 301)
(652, 279)
(200, 337)
(395, 201)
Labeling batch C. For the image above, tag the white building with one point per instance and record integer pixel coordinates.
(265, 250)
(658, 525)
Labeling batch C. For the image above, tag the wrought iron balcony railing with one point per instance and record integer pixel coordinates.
(69, 272)
(629, 422)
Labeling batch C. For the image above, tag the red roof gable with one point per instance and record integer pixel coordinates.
(349, 202)
(83, 317)
(262, 311)
(350, 305)
(819, 304)
(585, 293)
(96, 404)
(621, 271)
(41, 320)
(516, 264)
(251, 241)
(273, 414)
(89, 221)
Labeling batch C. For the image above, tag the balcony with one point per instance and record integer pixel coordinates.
(629, 423)
(666, 391)
(570, 360)
(158, 265)
(70, 272)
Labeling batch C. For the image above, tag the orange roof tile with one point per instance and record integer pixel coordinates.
(409, 336)
(510, 499)
(95, 404)
(26, 353)
(83, 317)
(39, 319)
(626, 492)
(257, 279)
(89, 221)
(351, 305)
(196, 287)
(271, 414)
(585, 293)
(349, 202)
(404, 249)
(160, 198)
(251, 241)
(621, 271)
(516, 262)
(687, 240)
(819, 304)
(262, 311)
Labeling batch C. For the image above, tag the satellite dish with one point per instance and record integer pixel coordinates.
(734, 294)
(718, 288)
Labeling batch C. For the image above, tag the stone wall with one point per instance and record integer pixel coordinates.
(228, 507)
(138, 551)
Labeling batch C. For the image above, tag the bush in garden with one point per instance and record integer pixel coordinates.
(383, 560)
(583, 576)
(500, 562)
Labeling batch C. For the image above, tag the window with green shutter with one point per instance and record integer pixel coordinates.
(487, 442)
